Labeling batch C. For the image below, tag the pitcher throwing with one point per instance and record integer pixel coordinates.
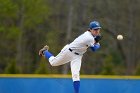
(74, 51)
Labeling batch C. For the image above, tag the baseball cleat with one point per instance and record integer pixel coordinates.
(46, 47)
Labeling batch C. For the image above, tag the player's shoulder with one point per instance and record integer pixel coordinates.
(87, 36)
(86, 33)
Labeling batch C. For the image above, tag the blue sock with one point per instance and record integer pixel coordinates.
(47, 54)
(76, 85)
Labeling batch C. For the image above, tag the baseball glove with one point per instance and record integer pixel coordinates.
(98, 38)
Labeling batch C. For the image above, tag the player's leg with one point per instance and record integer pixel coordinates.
(63, 57)
(47, 54)
(75, 69)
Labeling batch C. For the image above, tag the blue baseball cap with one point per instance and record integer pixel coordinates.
(94, 25)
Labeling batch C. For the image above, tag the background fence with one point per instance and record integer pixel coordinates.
(63, 84)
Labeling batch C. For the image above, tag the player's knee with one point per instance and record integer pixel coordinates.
(53, 64)
(52, 61)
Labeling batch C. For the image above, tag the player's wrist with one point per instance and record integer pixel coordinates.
(95, 47)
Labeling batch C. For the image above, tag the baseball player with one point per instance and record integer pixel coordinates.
(74, 51)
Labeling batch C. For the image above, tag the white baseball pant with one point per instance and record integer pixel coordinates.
(66, 56)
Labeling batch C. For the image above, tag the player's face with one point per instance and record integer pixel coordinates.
(95, 32)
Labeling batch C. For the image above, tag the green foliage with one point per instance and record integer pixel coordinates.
(12, 32)
(42, 68)
(7, 9)
(35, 12)
(27, 25)
(12, 68)
(137, 72)
(108, 67)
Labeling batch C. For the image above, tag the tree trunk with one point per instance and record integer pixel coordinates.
(69, 29)
(130, 61)
(20, 45)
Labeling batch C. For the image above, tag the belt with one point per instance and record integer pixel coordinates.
(73, 52)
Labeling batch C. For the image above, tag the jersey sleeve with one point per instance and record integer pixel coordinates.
(90, 42)
(95, 47)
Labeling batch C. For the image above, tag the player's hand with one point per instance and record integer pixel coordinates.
(98, 38)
